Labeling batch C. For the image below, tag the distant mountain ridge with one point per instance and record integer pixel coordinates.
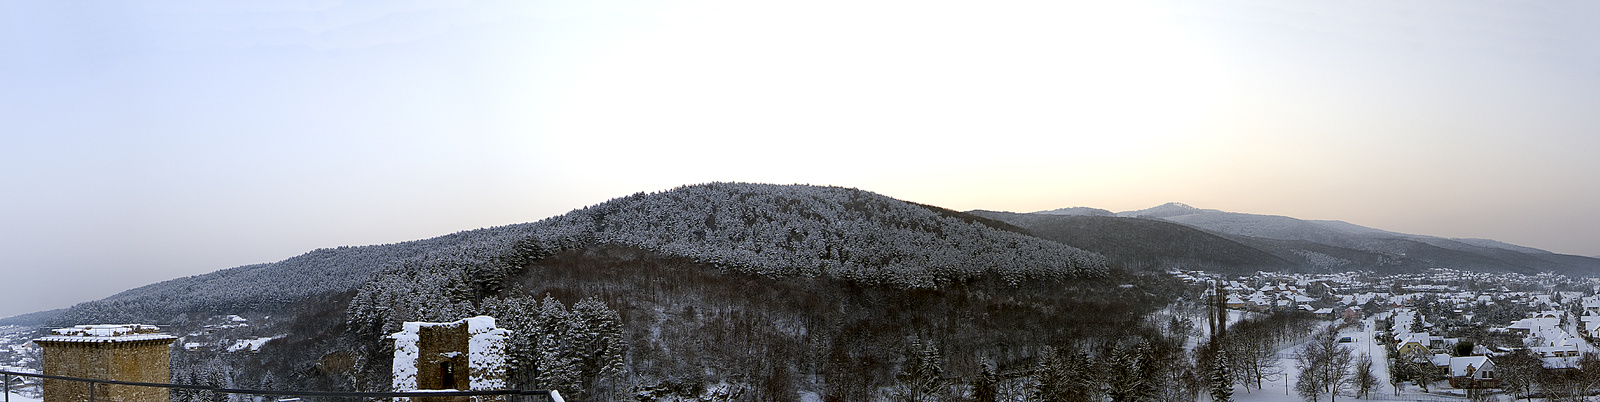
(1078, 211)
(1145, 243)
(1165, 210)
(819, 231)
(1336, 245)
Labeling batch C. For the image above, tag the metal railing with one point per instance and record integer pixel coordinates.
(550, 395)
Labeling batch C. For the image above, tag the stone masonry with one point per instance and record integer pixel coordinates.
(468, 354)
(131, 352)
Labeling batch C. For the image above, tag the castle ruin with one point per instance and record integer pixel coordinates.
(465, 355)
(131, 352)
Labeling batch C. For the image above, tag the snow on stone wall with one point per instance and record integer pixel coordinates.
(405, 356)
(485, 353)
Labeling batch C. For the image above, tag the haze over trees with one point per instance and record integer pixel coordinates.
(1176, 235)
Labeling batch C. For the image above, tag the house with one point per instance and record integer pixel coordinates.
(1324, 313)
(1591, 305)
(1414, 343)
(1591, 325)
(1259, 301)
(1234, 302)
(1441, 361)
(1352, 314)
(1534, 324)
(1472, 372)
(1550, 314)
(1557, 354)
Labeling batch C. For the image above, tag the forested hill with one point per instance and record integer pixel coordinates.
(819, 231)
(1145, 243)
(1169, 236)
(272, 286)
(770, 230)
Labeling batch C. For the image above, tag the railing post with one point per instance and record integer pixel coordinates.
(91, 391)
(8, 387)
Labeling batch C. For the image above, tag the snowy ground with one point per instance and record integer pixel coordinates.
(19, 398)
(1280, 390)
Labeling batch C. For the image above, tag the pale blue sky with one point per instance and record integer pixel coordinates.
(143, 142)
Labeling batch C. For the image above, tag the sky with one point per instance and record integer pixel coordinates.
(145, 142)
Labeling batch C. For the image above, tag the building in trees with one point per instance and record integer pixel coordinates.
(1472, 372)
(131, 352)
(468, 354)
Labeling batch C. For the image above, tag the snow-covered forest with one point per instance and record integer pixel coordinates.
(730, 288)
(764, 229)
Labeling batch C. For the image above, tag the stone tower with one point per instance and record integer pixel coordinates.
(465, 355)
(131, 352)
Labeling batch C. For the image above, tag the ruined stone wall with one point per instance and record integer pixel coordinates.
(438, 345)
(141, 361)
(463, 355)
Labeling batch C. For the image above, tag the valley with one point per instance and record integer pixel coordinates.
(739, 291)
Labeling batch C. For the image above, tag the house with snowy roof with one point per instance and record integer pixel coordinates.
(1533, 324)
(1351, 314)
(1560, 352)
(1441, 362)
(1235, 302)
(1590, 325)
(1324, 313)
(1472, 372)
(1591, 305)
(1414, 343)
(1545, 337)
(1259, 301)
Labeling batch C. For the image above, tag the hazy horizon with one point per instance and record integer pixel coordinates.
(145, 142)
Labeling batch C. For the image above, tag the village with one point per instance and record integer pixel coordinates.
(1444, 333)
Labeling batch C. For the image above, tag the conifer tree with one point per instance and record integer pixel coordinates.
(985, 389)
(922, 374)
(1221, 382)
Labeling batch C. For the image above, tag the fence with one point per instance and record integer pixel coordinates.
(547, 395)
(1410, 398)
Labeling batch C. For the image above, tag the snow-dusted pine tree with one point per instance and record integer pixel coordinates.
(1221, 382)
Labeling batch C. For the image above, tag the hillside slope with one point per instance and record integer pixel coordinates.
(1145, 243)
(818, 231)
(753, 289)
(774, 230)
(1337, 245)
(274, 286)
